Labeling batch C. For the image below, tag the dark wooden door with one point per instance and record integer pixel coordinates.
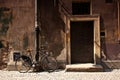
(82, 37)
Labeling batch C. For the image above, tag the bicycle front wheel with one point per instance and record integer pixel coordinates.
(22, 66)
(49, 63)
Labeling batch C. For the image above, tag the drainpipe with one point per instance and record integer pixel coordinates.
(36, 34)
(37, 43)
(118, 22)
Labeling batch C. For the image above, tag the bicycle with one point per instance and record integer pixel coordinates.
(46, 61)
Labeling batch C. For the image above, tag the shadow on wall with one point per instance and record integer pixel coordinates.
(57, 44)
(51, 25)
(55, 40)
(53, 29)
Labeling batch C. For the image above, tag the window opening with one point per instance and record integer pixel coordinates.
(81, 8)
(109, 1)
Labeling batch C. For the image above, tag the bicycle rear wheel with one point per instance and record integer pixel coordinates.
(22, 66)
(49, 63)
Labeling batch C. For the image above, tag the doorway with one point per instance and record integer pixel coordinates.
(82, 45)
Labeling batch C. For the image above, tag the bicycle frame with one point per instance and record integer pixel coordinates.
(46, 61)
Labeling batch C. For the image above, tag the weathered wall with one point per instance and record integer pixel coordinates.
(16, 25)
(20, 33)
(109, 24)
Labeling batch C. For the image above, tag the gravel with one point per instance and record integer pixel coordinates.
(60, 75)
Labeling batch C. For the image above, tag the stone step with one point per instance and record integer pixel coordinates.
(87, 67)
(11, 66)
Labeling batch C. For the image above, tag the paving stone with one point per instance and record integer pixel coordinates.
(61, 75)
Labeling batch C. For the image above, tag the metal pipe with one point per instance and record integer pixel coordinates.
(37, 43)
(118, 21)
(36, 14)
(36, 34)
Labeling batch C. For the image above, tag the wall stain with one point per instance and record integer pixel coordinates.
(5, 19)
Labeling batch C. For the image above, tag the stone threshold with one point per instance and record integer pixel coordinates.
(87, 67)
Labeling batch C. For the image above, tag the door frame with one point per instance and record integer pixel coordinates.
(96, 26)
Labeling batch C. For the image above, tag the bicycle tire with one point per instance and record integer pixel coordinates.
(49, 63)
(22, 66)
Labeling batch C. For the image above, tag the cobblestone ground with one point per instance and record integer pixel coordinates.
(60, 75)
